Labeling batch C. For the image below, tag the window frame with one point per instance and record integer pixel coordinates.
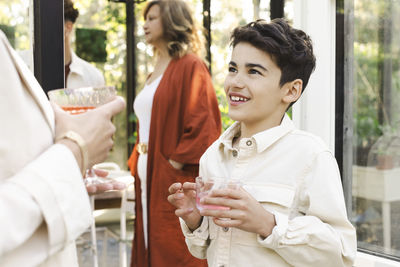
(311, 113)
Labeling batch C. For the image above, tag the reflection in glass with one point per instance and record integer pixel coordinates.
(376, 120)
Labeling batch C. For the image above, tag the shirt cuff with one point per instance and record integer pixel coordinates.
(278, 232)
(200, 233)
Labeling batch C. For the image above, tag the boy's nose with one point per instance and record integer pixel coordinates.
(237, 81)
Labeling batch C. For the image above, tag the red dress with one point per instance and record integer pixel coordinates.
(185, 120)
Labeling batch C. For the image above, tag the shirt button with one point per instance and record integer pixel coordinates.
(234, 153)
(248, 143)
(225, 229)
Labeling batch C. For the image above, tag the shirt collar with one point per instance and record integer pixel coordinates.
(75, 66)
(262, 139)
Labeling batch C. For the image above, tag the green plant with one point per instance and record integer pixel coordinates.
(91, 44)
(9, 31)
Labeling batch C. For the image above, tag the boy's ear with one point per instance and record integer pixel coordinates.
(293, 91)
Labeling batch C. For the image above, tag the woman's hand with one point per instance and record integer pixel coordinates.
(93, 189)
(183, 197)
(245, 212)
(95, 128)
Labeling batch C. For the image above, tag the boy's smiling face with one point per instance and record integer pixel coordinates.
(252, 89)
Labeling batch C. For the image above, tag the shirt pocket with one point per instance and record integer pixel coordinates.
(273, 197)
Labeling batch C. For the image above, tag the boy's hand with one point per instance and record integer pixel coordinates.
(183, 197)
(245, 212)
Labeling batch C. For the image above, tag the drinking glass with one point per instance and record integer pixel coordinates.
(79, 100)
(204, 185)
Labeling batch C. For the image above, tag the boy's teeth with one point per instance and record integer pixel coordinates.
(238, 98)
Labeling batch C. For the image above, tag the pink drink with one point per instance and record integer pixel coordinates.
(200, 206)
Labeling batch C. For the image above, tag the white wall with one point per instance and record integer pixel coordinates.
(315, 111)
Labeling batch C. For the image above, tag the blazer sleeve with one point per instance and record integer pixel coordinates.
(201, 115)
(49, 191)
(324, 232)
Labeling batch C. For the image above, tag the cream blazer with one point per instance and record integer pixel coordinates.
(44, 206)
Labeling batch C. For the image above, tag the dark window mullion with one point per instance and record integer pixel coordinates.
(130, 68)
(48, 51)
(277, 8)
(207, 27)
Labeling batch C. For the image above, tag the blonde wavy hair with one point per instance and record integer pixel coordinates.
(181, 31)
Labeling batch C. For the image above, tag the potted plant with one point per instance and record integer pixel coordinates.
(385, 153)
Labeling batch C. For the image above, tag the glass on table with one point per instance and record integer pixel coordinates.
(79, 100)
(204, 185)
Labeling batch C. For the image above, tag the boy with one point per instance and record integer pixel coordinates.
(290, 210)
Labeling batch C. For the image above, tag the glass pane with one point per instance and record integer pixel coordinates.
(15, 22)
(376, 121)
(98, 36)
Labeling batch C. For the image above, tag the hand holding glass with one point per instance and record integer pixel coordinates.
(205, 185)
(79, 100)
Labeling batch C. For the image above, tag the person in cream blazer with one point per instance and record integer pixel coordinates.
(44, 205)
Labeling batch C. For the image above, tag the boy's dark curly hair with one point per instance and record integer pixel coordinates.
(291, 49)
(70, 13)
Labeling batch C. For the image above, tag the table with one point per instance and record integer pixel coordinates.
(378, 185)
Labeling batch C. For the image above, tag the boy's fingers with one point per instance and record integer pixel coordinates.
(189, 186)
(175, 197)
(114, 107)
(231, 193)
(174, 187)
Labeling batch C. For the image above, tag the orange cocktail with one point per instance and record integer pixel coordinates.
(76, 110)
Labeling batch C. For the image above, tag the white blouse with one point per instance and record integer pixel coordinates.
(143, 105)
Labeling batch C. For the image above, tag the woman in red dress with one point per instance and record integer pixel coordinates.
(179, 118)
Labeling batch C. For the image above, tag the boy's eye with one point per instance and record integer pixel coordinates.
(232, 69)
(254, 71)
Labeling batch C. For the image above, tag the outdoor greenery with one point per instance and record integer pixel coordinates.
(375, 113)
(91, 44)
(14, 22)
(9, 31)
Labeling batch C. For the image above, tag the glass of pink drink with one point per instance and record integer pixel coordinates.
(205, 185)
(76, 101)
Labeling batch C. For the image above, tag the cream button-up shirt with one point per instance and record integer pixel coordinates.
(82, 73)
(294, 176)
